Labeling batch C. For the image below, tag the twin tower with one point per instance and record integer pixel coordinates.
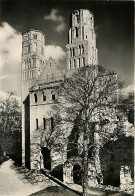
(81, 49)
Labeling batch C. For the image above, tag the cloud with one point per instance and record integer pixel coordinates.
(55, 17)
(10, 58)
(55, 52)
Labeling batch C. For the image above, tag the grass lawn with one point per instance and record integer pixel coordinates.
(54, 191)
(60, 191)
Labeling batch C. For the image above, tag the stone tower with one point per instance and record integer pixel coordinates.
(81, 47)
(33, 60)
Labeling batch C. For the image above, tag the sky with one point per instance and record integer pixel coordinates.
(114, 28)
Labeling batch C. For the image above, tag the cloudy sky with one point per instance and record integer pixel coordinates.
(114, 23)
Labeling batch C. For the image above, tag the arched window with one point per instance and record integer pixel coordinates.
(53, 96)
(83, 32)
(82, 49)
(76, 32)
(69, 65)
(73, 52)
(25, 76)
(29, 64)
(83, 61)
(24, 64)
(35, 97)
(36, 123)
(32, 74)
(70, 52)
(44, 123)
(35, 47)
(79, 50)
(79, 62)
(74, 63)
(35, 36)
(44, 97)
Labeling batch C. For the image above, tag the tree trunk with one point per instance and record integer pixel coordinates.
(85, 157)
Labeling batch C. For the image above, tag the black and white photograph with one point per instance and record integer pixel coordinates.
(66, 98)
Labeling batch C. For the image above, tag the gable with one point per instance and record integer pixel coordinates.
(50, 73)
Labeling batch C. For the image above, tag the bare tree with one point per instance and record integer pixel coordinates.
(10, 121)
(89, 97)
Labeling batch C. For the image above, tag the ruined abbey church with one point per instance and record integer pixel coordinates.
(40, 82)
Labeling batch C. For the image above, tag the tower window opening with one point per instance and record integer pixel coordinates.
(29, 64)
(69, 65)
(70, 52)
(83, 61)
(35, 97)
(52, 75)
(24, 64)
(31, 74)
(79, 62)
(27, 37)
(73, 52)
(78, 19)
(44, 123)
(53, 97)
(32, 64)
(36, 123)
(86, 36)
(52, 123)
(83, 32)
(82, 49)
(44, 97)
(34, 47)
(79, 49)
(74, 63)
(28, 48)
(35, 36)
(76, 32)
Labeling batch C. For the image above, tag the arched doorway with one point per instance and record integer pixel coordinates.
(57, 172)
(46, 158)
(77, 174)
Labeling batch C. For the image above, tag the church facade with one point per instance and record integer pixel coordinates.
(40, 89)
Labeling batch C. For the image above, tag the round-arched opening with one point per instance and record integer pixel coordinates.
(46, 158)
(77, 174)
(57, 172)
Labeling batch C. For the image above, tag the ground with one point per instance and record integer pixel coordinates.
(55, 191)
(15, 181)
